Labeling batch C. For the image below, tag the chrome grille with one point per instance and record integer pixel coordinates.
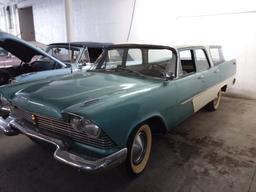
(61, 128)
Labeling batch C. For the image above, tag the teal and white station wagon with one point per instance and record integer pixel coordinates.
(106, 116)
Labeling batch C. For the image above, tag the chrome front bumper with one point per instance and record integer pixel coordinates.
(12, 126)
(6, 128)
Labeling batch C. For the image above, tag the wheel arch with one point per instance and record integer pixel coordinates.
(224, 88)
(156, 123)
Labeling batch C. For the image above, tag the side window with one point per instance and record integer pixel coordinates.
(202, 63)
(114, 58)
(134, 57)
(163, 58)
(217, 56)
(187, 62)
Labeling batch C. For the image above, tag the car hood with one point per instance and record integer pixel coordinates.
(83, 89)
(21, 49)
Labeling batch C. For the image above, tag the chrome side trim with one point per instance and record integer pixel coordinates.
(61, 154)
(186, 101)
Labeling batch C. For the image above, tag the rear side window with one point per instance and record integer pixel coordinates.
(217, 56)
(187, 62)
(202, 62)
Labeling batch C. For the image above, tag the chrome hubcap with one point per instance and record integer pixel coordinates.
(139, 148)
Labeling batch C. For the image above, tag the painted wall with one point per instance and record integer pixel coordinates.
(228, 23)
(95, 20)
(99, 20)
(48, 16)
(225, 22)
(49, 21)
(238, 38)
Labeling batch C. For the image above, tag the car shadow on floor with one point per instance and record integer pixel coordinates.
(173, 165)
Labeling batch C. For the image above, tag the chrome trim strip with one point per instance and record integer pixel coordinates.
(61, 154)
(186, 101)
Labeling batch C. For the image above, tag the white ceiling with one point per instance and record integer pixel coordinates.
(8, 2)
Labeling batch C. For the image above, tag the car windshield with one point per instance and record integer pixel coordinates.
(154, 62)
(65, 54)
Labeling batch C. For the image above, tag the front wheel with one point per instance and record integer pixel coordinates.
(139, 148)
(214, 104)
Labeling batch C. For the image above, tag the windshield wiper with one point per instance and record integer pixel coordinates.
(128, 70)
(118, 69)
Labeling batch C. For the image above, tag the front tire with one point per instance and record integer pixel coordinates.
(139, 148)
(214, 104)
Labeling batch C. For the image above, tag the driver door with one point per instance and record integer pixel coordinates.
(189, 84)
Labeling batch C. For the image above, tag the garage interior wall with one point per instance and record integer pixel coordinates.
(228, 23)
(91, 20)
(104, 21)
(49, 21)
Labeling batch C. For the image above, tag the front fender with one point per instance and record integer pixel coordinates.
(119, 120)
(144, 119)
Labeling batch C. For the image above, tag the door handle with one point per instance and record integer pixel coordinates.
(217, 71)
(201, 77)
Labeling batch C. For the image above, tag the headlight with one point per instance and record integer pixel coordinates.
(84, 125)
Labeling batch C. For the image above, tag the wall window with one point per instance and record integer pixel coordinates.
(202, 62)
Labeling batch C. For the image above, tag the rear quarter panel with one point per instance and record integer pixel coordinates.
(227, 69)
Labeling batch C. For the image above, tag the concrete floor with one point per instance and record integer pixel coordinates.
(208, 152)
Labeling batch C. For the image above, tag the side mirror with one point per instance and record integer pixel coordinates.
(169, 76)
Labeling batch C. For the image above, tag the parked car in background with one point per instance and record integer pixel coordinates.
(7, 60)
(31, 63)
(107, 115)
(38, 45)
(84, 53)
